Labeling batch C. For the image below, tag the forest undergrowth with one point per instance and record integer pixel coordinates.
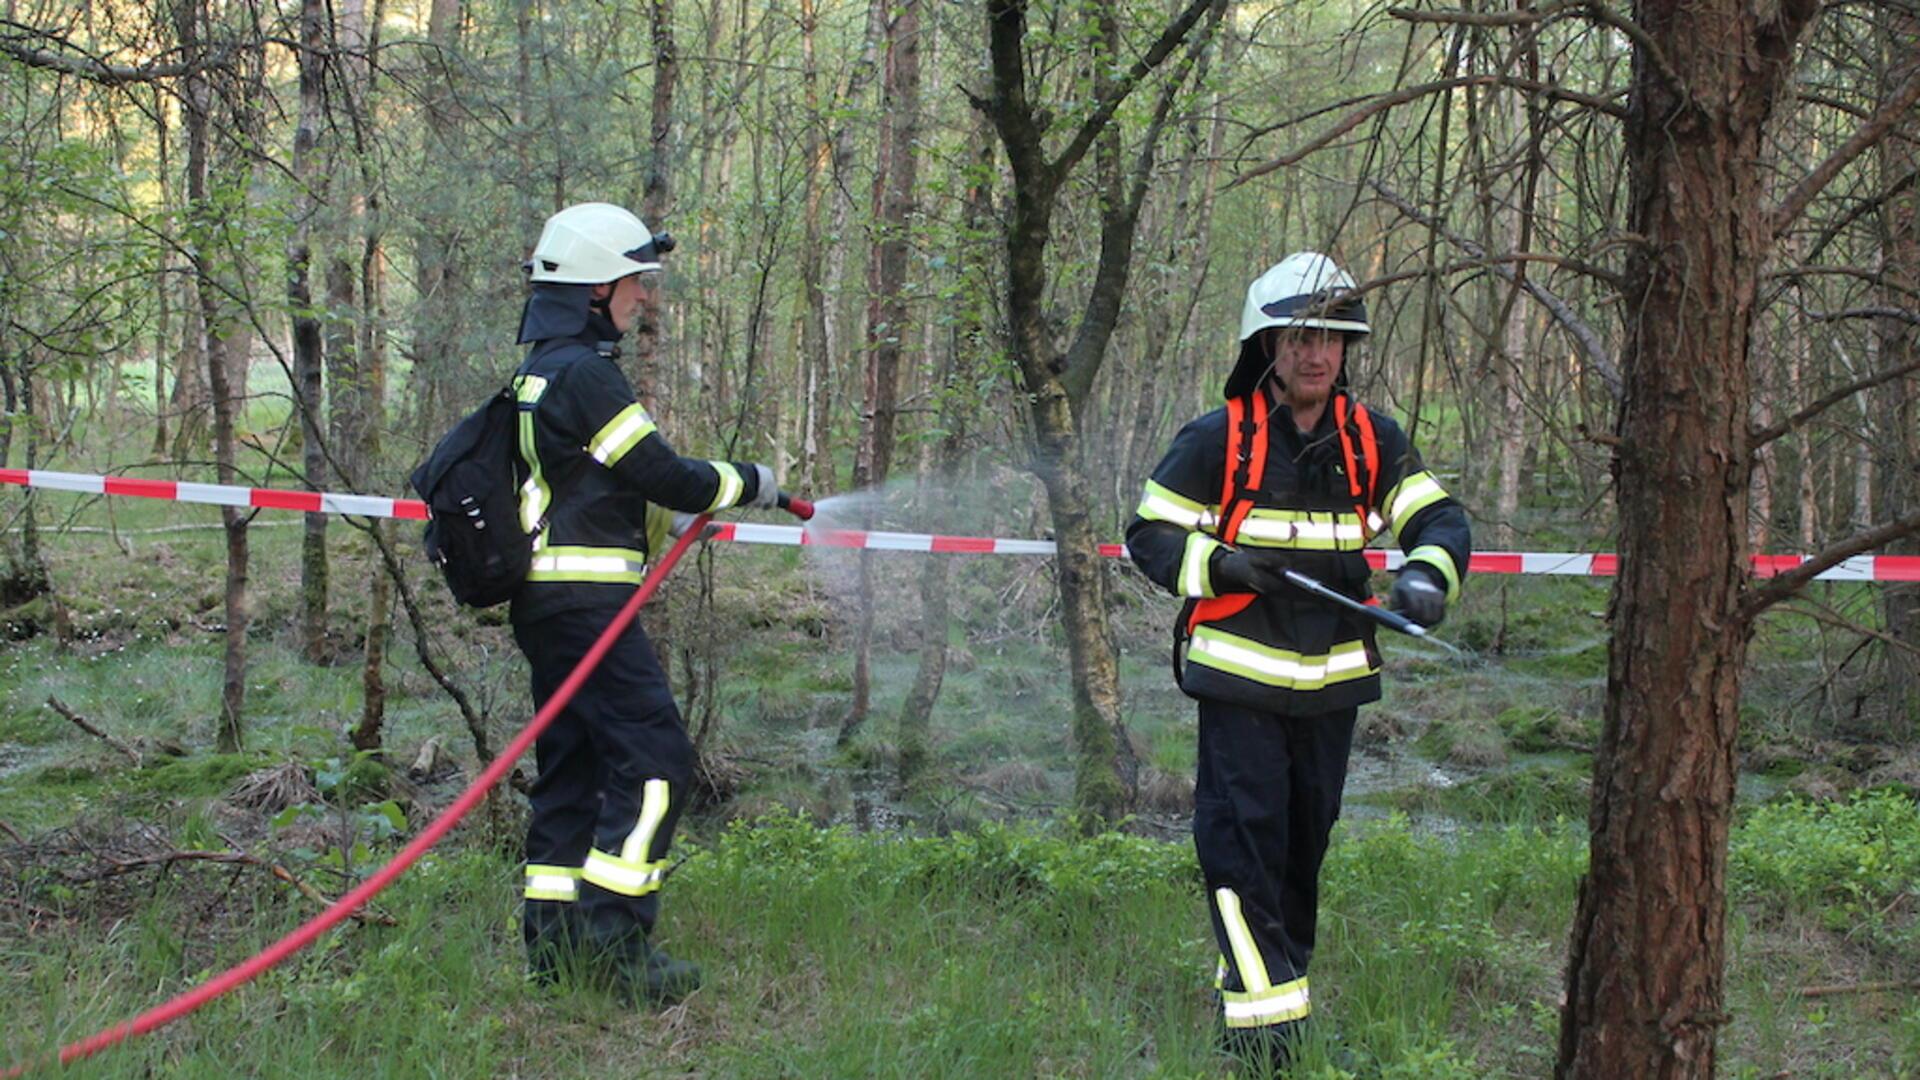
(956, 927)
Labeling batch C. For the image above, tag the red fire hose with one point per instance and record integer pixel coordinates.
(233, 977)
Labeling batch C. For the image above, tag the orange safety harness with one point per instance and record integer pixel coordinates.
(1247, 464)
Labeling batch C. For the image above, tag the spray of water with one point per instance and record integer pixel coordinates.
(975, 502)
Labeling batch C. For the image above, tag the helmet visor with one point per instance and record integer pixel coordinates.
(1333, 305)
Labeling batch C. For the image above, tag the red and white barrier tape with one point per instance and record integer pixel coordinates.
(1574, 564)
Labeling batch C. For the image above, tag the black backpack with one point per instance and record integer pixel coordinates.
(471, 486)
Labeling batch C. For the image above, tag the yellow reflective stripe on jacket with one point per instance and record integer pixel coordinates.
(1440, 559)
(602, 564)
(621, 434)
(1303, 530)
(1412, 494)
(1246, 954)
(535, 495)
(1275, 1005)
(552, 882)
(731, 486)
(528, 388)
(1160, 503)
(1195, 577)
(1281, 668)
(628, 877)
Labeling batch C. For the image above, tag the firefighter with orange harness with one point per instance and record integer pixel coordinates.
(1292, 474)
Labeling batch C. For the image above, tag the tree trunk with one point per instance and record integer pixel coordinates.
(816, 362)
(954, 385)
(215, 341)
(1645, 970)
(163, 293)
(1513, 355)
(1766, 459)
(187, 401)
(850, 100)
(1899, 344)
(1055, 385)
(26, 571)
(655, 197)
(893, 180)
(306, 327)
(439, 284)
(936, 462)
(373, 682)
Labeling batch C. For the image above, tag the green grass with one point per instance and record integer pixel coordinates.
(1004, 951)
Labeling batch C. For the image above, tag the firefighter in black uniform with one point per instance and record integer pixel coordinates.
(615, 766)
(1291, 474)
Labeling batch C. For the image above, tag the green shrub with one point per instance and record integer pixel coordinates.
(1859, 853)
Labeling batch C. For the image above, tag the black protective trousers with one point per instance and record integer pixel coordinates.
(614, 769)
(1265, 799)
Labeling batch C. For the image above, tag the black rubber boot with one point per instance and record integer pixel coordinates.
(667, 979)
(639, 973)
(1263, 1052)
(553, 935)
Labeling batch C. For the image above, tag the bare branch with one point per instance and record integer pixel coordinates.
(1897, 105)
(1360, 116)
(1452, 17)
(1791, 582)
(1859, 210)
(97, 70)
(1826, 616)
(1084, 356)
(87, 726)
(1584, 335)
(1897, 314)
(1594, 9)
(1643, 41)
(1762, 436)
(1860, 988)
(241, 858)
(1110, 102)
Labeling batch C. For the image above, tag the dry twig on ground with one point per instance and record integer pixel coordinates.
(87, 726)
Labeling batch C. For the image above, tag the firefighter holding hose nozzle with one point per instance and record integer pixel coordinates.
(615, 766)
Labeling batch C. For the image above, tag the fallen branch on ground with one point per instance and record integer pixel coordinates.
(83, 724)
(1859, 988)
(240, 858)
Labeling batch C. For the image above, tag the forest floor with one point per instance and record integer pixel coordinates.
(850, 928)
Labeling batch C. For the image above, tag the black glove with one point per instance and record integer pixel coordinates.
(1241, 570)
(1420, 595)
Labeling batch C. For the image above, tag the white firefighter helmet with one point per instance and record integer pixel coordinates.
(594, 243)
(1304, 289)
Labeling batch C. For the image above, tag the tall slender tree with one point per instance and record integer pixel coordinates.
(887, 314)
(305, 316)
(1057, 383)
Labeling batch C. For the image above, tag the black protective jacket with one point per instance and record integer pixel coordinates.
(594, 461)
(1289, 653)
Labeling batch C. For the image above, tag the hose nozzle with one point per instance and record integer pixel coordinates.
(797, 506)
